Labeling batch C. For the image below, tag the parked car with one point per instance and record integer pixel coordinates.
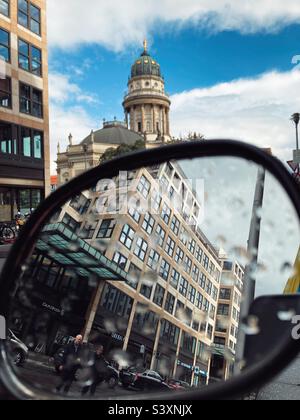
(150, 381)
(128, 375)
(178, 385)
(18, 348)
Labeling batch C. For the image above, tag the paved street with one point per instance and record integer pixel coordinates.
(42, 373)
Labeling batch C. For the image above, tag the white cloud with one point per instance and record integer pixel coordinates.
(67, 113)
(63, 90)
(254, 110)
(116, 24)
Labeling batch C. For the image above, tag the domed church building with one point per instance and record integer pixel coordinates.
(147, 110)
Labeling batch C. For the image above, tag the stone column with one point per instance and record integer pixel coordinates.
(143, 118)
(156, 344)
(153, 119)
(177, 354)
(168, 121)
(92, 310)
(130, 323)
(126, 116)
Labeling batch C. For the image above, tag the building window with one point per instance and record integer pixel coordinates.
(4, 7)
(133, 212)
(153, 259)
(175, 276)
(223, 309)
(220, 342)
(120, 260)
(29, 16)
(106, 229)
(30, 58)
(175, 225)
(221, 327)
(166, 214)
(148, 224)
(32, 143)
(209, 286)
(183, 286)
(144, 186)
(188, 343)
(179, 255)
(89, 230)
(134, 276)
(205, 262)
(116, 302)
(192, 294)
(210, 330)
(159, 295)
(161, 234)
(80, 204)
(72, 223)
(8, 145)
(192, 246)
(215, 294)
(206, 306)
(31, 101)
(170, 247)
(199, 300)
(146, 291)
(199, 254)
(5, 93)
(202, 280)
(195, 274)
(4, 45)
(170, 303)
(179, 309)
(187, 264)
(141, 248)
(164, 270)
(212, 312)
(169, 332)
(156, 202)
(225, 294)
(184, 236)
(127, 236)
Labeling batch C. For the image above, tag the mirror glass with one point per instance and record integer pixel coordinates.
(142, 283)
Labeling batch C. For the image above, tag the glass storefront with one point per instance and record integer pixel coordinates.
(13, 200)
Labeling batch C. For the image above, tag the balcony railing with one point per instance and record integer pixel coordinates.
(146, 92)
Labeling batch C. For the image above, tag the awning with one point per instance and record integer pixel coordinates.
(56, 244)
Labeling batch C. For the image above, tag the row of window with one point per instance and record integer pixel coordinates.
(186, 290)
(30, 102)
(117, 302)
(17, 140)
(224, 310)
(29, 15)
(29, 56)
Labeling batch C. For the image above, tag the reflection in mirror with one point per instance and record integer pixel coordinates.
(143, 282)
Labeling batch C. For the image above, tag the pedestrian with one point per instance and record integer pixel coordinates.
(70, 364)
(100, 371)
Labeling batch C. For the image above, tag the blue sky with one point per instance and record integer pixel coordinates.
(226, 61)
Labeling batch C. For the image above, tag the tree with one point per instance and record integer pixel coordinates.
(122, 150)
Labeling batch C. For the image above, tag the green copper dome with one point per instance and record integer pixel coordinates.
(145, 65)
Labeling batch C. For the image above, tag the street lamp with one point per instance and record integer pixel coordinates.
(85, 150)
(296, 119)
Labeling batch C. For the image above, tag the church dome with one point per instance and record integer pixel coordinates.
(113, 133)
(145, 65)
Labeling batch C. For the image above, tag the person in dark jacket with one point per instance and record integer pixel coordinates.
(70, 364)
(99, 371)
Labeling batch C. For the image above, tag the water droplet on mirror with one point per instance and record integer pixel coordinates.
(150, 278)
(122, 358)
(251, 325)
(286, 315)
(110, 326)
(287, 270)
